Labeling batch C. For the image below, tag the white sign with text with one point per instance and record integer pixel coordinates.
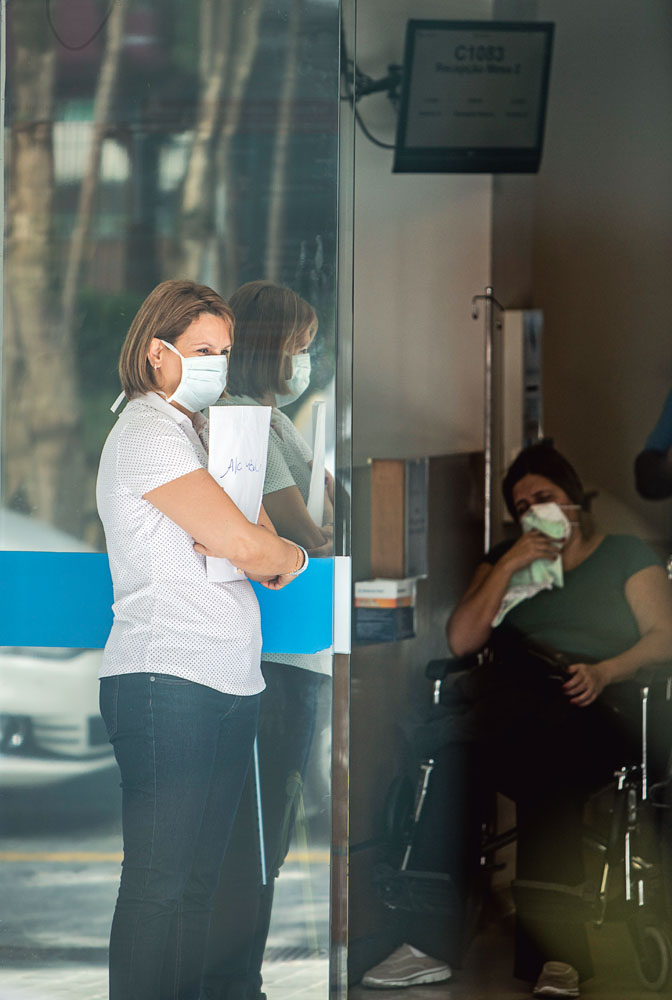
(315, 502)
(238, 450)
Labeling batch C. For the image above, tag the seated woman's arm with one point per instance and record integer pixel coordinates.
(290, 516)
(649, 594)
(470, 625)
(200, 507)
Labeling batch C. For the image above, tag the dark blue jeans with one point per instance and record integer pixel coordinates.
(242, 907)
(183, 750)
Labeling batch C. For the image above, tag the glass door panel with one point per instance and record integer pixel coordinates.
(147, 140)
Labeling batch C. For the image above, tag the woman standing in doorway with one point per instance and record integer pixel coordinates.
(180, 678)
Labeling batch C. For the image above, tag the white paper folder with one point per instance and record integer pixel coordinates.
(238, 451)
(315, 503)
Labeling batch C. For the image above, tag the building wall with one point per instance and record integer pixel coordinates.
(422, 249)
(602, 242)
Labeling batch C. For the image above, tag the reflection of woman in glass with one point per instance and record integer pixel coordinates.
(180, 677)
(274, 329)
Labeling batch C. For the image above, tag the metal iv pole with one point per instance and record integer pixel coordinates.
(489, 301)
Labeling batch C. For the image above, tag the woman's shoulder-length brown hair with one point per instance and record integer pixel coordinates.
(269, 318)
(166, 313)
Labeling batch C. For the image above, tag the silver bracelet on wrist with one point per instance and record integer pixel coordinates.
(306, 560)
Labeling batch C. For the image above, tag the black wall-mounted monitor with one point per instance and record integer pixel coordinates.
(473, 96)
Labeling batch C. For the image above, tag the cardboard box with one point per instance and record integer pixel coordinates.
(385, 593)
(384, 624)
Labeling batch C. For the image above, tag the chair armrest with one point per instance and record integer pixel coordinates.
(438, 670)
(660, 674)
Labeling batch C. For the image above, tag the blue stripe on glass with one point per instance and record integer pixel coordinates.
(65, 599)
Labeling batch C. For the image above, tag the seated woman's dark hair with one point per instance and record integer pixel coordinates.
(542, 459)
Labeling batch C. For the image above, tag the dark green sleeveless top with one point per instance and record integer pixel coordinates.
(590, 615)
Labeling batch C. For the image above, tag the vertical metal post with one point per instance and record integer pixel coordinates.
(645, 740)
(628, 868)
(340, 757)
(260, 811)
(489, 301)
(487, 422)
(426, 767)
(3, 75)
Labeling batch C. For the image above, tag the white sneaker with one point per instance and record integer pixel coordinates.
(557, 979)
(406, 966)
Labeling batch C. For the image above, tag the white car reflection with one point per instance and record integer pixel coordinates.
(50, 726)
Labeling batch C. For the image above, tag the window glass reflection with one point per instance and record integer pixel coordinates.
(146, 140)
(183, 140)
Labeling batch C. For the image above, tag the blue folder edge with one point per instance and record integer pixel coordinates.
(65, 599)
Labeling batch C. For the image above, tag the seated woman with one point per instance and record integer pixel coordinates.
(549, 743)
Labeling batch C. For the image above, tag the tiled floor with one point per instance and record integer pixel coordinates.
(299, 980)
(81, 922)
(487, 973)
(57, 982)
(486, 976)
(53, 927)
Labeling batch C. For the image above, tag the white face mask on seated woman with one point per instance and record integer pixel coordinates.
(203, 380)
(543, 574)
(550, 519)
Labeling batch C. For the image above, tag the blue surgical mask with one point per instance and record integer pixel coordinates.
(299, 380)
(203, 380)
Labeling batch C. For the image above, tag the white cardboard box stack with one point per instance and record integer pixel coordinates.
(384, 610)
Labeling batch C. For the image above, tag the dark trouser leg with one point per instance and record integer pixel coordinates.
(548, 756)
(242, 908)
(447, 841)
(550, 850)
(183, 750)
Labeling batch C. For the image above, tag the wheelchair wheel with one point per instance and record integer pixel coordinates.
(398, 813)
(653, 957)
